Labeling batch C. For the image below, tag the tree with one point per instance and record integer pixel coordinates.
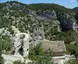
(76, 50)
(5, 44)
(40, 57)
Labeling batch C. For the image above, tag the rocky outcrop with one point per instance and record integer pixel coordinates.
(20, 49)
(47, 14)
(64, 23)
(21, 44)
(62, 59)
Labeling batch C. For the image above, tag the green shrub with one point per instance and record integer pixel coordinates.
(39, 57)
(5, 44)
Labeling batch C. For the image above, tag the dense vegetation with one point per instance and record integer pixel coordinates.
(39, 57)
(18, 62)
(5, 45)
(68, 36)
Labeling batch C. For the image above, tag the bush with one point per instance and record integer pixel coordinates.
(76, 50)
(35, 52)
(73, 49)
(68, 36)
(39, 57)
(5, 44)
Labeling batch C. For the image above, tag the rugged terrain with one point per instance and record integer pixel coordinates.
(43, 21)
(48, 19)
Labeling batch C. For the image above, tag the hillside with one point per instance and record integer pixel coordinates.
(53, 17)
(76, 9)
(43, 21)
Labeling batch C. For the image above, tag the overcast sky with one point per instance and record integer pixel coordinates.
(66, 3)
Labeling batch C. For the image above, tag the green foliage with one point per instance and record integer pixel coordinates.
(76, 16)
(1, 60)
(43, 7)
(38, 49)
(76, 50)
(39, 57)
(68, 36)
(71, 48)
(35, 52)
(5, 44)
(42, 60)
(76, 9)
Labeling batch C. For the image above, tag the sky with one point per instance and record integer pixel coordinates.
(66, 3)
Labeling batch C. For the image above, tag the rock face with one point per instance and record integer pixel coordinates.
(21, 44)
(57, 47)
(62, 59)
(20, 49)
(75, 26)
(64, 23)
(47, 14)
(9, 59)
